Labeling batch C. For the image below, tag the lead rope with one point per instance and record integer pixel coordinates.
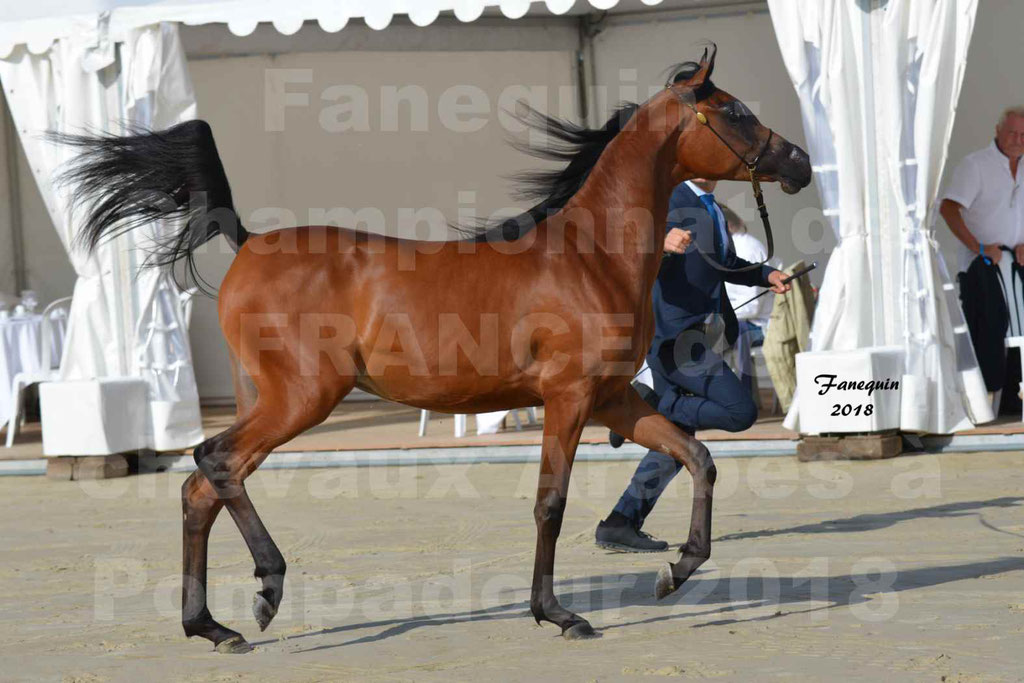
(762, 210)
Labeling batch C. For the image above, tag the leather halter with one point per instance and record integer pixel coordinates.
(754, 183)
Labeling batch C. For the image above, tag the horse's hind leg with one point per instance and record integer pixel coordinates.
(200, 505)
(629, 415)
(224, 462)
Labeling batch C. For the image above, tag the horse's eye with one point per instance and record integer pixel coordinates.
(734, 115)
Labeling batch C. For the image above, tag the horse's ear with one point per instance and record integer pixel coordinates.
(707, 62)
(705, 67)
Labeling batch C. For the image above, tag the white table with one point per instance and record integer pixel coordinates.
(20, 351)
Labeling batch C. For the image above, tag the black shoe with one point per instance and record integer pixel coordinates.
(616, 440)
(626, 538)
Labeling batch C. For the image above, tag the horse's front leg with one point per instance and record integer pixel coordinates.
(564, 418)
(629, 415)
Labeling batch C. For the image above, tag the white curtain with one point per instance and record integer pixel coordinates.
(124, 321)
(878, 82)
(926, 44)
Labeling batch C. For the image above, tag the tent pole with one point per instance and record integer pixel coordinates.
(873, 215)
(121, 261)
(582, 89)
(588, 26)
(10, 134)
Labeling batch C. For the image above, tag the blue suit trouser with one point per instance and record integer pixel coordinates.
(696, 390)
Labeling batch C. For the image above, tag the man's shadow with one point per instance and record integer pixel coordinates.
(829, 592)
(873, 521)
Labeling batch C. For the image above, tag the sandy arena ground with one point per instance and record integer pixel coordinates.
(909, 569)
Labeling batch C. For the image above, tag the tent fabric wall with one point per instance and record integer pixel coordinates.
(124, 321)
(878, 91)
(364, 177)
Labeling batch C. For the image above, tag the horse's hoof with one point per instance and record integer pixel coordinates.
(263, 611)
(581, 630)
(665, 585)
(235, 645)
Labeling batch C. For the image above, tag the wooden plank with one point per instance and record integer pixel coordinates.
(68, 468)
(101, 467)
(60, 469)
(849, 447)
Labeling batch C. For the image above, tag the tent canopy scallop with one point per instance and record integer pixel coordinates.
(37, 24)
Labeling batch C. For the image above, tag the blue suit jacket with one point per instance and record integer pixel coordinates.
(688, 288)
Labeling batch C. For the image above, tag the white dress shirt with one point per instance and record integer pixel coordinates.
(699, 192)
(992, 198)
(749, 248)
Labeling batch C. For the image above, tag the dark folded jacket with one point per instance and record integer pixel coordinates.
(981, 297)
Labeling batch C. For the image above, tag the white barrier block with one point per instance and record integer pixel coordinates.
(849, 391)
(93, 417)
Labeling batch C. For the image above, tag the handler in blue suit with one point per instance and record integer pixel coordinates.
(694, 387)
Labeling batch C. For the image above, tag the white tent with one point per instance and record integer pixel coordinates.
(74, 63)
(878, 85)
(124, 322)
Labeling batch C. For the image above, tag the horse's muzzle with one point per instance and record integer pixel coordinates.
(795, 170)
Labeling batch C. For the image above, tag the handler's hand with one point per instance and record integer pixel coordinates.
(994, 253)
(677, 240)
(1018, 251)
(776, 279)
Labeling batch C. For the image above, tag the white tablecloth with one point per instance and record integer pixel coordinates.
(20, 351)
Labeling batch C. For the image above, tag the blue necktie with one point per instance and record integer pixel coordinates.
(721, 239)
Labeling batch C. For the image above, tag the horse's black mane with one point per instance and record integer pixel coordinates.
(580, 147)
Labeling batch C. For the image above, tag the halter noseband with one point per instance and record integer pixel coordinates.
(754, 183)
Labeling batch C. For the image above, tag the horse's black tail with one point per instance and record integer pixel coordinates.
(125, 182)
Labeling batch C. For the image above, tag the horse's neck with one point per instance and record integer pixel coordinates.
(627, 194)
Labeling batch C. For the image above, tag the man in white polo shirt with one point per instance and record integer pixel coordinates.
(984, 203)
(984, 207)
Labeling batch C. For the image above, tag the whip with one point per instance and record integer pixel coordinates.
(799, 273)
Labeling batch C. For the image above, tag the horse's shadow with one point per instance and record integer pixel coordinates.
(819, 593)
(724, 596)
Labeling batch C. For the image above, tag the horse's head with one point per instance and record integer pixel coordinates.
(723, 139)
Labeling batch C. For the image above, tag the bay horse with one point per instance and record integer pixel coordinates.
(463, 326)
